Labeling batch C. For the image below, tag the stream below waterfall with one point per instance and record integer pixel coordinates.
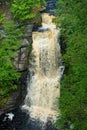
(40, 106)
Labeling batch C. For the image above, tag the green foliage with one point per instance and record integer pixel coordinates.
(26, 9)
(9, 44)
(2, 18)
(73, 101)
(4, 101)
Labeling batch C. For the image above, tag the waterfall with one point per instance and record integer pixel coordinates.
(45, 71)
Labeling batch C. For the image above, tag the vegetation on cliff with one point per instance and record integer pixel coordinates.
(72, 20)
(10, 42)
(12, 12)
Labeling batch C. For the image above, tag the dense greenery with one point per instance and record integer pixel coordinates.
(72, 20)
(26, 9)
(9, 44)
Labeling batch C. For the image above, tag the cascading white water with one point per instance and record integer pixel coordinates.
(45, 72)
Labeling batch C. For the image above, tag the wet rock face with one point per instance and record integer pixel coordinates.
(21, 60)
(13, 102)
(23, 85)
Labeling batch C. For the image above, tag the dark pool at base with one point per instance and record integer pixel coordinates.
(22, 121)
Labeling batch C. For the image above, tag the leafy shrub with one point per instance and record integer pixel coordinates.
(26, 9)
(73, 99)
(9, 44)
